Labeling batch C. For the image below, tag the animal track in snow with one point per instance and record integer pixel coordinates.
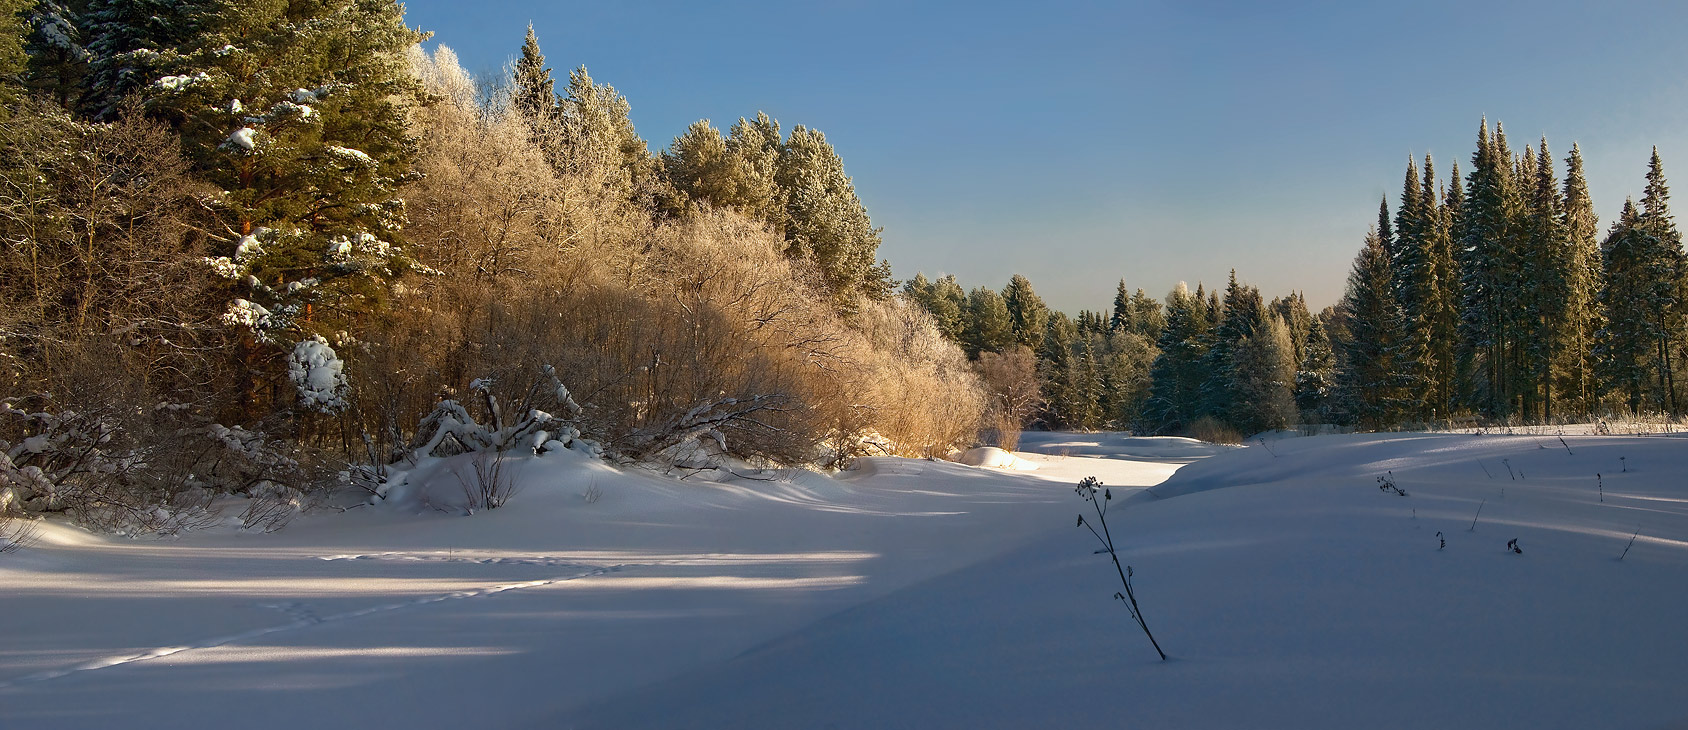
(540, 560)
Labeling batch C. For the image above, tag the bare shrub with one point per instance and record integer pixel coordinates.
(272, 506)
(1011, 379)
(1213, 431)
(16, 530)
(1000, 430)
(487, 485)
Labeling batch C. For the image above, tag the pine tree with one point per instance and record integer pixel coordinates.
(1026, 311)
(298, 113)
(696, 164)
(825, 222)
(943, 299)
(13, 30)
(753, 152)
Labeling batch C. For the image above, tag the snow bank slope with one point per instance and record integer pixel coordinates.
(591, 582)
(1291, 593)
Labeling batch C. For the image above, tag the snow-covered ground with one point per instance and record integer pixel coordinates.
(1289, 590)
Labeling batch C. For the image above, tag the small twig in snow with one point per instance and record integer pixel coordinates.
(1631, 542)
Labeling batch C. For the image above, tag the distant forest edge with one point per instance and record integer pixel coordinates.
(1485, 299)
(267, 248)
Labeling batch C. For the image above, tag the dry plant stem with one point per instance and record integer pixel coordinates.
(1631, 542)
(1474, 517)
(1129, 597)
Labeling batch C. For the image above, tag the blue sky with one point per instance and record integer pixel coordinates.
(1079, 143)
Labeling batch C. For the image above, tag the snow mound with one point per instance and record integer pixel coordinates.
(995, 458)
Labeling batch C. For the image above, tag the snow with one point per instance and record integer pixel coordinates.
(1287, 588)
(243, 138)
(243, 313)
(995, 458)
(355, 156)
(178, 83)
(318, 374)
(249, 247)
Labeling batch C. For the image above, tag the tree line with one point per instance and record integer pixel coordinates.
(1484, 298)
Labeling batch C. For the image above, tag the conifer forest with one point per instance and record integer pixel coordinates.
(278, 245)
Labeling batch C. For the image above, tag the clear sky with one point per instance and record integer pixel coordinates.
(1079, 143)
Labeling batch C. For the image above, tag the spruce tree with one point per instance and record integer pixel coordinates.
(1026, 312)
(943, 299)
(1547, 270)
(1298, 321)
(1665, 260)
(988, 328)
(1625, 346)
(1242, 315)
(1370, 372)
(1385, 233)
(57, 60)
(1315, 379)
(1263, 378)
(1120, 318)
(1416, 289)
(1439, 313)
(1062, 392)
(1125, 378)
(1582, 312)
(535, 92)
(1147, 319)
(1177, 376)
(1493, 223)
(132, 43)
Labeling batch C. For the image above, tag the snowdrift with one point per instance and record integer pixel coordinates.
(1288, 588)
